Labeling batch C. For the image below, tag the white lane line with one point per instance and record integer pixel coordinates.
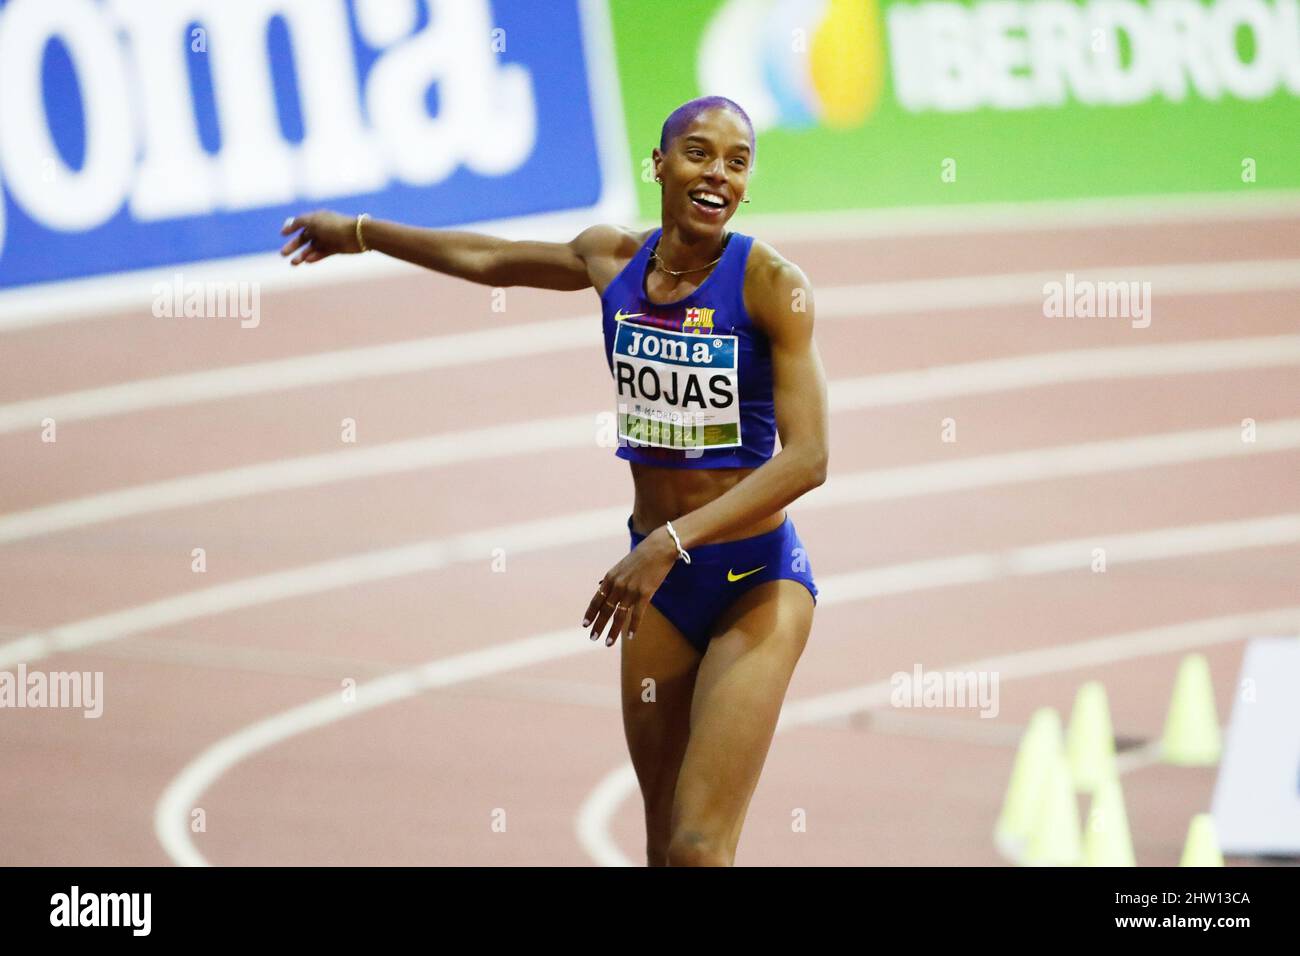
(171, 817)
(324, 368)
(559, 335)
(594, 525)
(903, 723)
(482, 444)
(219, 655)
(66, 302)
(434, 451)
(172, 814)
(1065, 367)
(267, 661)
(1053, 215)
(521, 537)
(972, 292)
(380, 565)
(1042, 464)
(598, 809)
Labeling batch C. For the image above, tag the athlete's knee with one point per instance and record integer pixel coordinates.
(691, 847)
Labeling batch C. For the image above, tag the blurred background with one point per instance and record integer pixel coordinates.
(292, 561)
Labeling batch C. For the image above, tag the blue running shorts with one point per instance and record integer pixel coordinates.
(694, 595)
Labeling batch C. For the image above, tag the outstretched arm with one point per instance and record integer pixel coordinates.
(488, 260)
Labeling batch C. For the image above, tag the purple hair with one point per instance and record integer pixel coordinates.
(682, 117)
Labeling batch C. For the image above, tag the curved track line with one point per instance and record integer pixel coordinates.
(592, 821)
(181, 795)
(584, 526)
(560, 335)
(596, 812)
(481, 444)
(172, 815)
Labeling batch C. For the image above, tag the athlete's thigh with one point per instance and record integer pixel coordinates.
(658, 671)
(738, 693)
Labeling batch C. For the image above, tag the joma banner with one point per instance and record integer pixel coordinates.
(144, 133)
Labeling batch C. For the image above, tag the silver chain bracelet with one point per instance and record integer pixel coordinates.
(681, 552)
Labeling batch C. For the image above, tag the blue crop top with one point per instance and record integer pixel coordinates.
(693, 378)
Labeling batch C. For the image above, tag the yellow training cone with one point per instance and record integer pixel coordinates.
(1191, 737)
(1106, 842)
(1039, 744)
(1055, 837)
(1202, 847)
(1090, 741)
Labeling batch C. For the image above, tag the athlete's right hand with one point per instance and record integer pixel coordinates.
(322, 234)
(625, 590)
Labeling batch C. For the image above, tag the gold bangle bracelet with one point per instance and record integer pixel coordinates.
(360, 240)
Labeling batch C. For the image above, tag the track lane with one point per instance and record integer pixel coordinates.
(341, 622)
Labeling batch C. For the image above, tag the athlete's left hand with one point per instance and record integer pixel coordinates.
(626, 589)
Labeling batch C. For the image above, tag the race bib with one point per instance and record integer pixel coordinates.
(676, 389)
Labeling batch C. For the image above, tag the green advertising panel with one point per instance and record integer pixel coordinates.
(885, 103)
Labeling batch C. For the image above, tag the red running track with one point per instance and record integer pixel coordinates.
(423, 779)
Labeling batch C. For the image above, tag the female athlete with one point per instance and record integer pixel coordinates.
(708, 336)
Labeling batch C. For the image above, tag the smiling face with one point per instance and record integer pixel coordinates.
(705, 171)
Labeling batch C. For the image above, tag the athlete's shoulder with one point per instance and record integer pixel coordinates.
(767, 266)
(606, 250)
(605, 239)
(772, 283)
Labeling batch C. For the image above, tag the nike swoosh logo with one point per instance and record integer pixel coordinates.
(733, 576)
(619, 316)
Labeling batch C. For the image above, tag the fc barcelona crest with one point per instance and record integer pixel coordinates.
(698, 321)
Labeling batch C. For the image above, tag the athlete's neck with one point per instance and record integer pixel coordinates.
(680, 251)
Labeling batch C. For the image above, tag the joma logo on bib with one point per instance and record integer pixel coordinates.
(676, 390)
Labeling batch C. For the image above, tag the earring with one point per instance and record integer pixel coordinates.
(744, 199)
(658, 180)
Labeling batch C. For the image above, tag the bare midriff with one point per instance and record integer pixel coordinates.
(665, 494)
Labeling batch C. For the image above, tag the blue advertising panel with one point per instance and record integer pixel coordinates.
(144, 133)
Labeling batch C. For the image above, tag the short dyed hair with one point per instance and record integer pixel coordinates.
(682, 117)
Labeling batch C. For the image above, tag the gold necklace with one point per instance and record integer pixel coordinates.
(654, 254)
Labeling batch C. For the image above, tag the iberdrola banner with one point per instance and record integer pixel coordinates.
(879, 103)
